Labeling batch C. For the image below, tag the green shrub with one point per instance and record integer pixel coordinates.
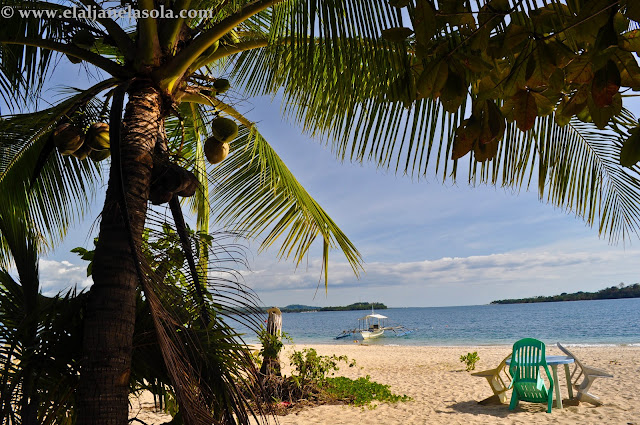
(470, 360)
(309, 367)
(362, 391)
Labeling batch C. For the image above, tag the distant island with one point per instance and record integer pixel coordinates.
(614, 292)
(299, 308)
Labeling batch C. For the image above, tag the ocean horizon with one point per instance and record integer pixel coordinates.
(575, 323)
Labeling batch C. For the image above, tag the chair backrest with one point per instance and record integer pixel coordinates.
(503, 369)
(568, 353)
(527, 357)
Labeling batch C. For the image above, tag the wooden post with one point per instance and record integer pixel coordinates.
(271, 360)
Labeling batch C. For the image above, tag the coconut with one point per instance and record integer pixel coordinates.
(188, 184)
(215, 150)
(221, 85)
(224, 129)
(98, 136)
(83, 39)
(67, 138)
(159, 196)
(98, 156)
(83, 152)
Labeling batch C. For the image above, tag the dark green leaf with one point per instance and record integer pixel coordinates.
(630, 152)
(432, 79)
(493, 123)
(602, 115)
(629, 69)
(454, 92)
(579, 70)
(397, 35)
(545, 106)
(424, 22)
(607, 35)
(525, 110)
(466, 137)
(606, 83)
(485, 152)
(630, 41)
(633, 10)
(575, 104)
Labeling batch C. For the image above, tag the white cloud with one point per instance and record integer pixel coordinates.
(461, 280)
(56, 276)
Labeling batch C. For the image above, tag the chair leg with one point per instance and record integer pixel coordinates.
(514, 400)
(550, 402)
(589, 398)
(586, 384)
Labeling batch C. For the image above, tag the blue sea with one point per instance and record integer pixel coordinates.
(601, 322)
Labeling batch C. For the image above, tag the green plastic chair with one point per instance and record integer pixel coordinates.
(527, 359)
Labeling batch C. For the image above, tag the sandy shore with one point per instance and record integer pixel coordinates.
(443, 393)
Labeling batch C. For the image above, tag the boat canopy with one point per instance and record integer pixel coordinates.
(375, 316)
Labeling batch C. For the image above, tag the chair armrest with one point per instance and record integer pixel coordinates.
(486, 373)
(592, 371)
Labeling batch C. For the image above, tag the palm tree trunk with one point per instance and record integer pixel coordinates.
(110, 317)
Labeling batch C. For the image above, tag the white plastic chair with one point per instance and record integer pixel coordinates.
(588, 375)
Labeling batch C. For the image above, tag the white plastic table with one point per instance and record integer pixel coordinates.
(554, 361)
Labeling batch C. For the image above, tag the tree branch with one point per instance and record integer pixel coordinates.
(148, 43)
(170, 32)
(87, 56)
(224, 51)
(221, 106)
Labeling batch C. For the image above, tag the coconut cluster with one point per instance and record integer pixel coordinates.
(169, 179)
(223, 131)
(71, 140)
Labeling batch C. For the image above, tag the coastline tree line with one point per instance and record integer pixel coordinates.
(611, 293)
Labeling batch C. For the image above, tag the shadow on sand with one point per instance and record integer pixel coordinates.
(498, 410)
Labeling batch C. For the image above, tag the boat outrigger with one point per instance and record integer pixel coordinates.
(373, 326)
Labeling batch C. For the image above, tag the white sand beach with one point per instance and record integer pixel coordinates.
(444, 393)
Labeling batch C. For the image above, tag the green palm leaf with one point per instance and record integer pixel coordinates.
(256, 193)
(24, 68)
(65, 185)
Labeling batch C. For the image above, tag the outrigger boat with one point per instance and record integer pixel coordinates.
(373, 326)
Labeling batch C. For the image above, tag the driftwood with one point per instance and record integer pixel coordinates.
(271, 358)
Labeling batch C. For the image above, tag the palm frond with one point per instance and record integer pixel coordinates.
(23, 68)
(217, 360)
(40, 336)
(64, 188)
(256, 193)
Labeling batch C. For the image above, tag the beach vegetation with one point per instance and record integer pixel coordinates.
(312, 383)
(362, 391)
(309, 367)
(470, 360)
(520, 92)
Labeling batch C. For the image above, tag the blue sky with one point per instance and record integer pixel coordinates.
(423, 243)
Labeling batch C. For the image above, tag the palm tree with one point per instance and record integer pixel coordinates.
(338, 78)
(40, 337)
